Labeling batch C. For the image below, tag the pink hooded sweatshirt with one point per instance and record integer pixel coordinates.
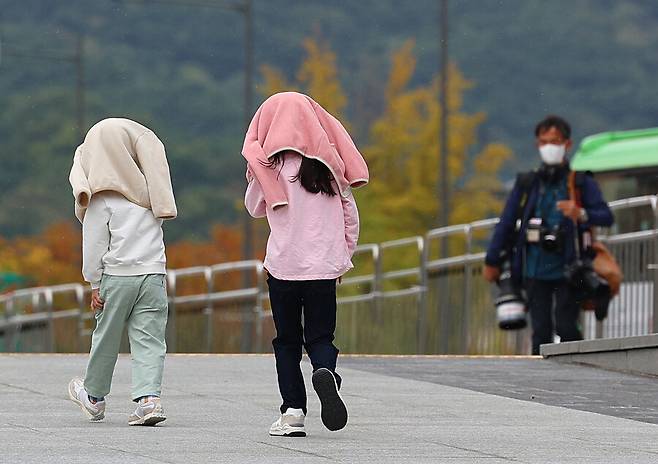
(293, 121)
(314, 237)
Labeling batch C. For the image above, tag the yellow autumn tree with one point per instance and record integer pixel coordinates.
(403, 149)
(274, 81)
(403, 156)
(317, 77)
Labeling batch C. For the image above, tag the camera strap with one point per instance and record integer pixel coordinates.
(574, 184)
(524, 181)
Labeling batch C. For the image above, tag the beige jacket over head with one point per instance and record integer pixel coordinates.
(125, 157)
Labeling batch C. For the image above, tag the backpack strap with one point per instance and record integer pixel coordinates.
(575, 183)
(524, 182)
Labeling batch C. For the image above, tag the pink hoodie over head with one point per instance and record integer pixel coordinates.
(293, 121)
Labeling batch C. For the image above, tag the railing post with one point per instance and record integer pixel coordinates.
(5, 300)
(259, 312)
(378, 288)
(378, 284)
(247, 313)
(12, 329)
(443, 303)
(373, 281)
(80, 302)
(208, 310)
(654, 206)
(49, 301)
(468, 232)
(598, 329)
(655, 290)
(519, 341)
(171, 311)
(421, 329)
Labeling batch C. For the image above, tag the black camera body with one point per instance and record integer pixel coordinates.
(550, 239)
(589, 286)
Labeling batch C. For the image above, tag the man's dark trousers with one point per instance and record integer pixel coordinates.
(316, 300)
(542, 295)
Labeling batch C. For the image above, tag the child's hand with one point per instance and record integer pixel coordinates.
(96, 301)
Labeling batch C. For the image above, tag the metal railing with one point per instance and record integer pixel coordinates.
(403, 297)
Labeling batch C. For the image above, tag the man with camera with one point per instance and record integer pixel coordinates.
(543, 232)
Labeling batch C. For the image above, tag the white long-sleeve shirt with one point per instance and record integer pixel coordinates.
(314, 236)
(120, 238)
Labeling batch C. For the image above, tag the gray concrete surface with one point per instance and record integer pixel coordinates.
(220, 408)
(529, 378)
(637, 354)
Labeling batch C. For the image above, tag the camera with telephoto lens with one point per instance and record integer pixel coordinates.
(510, 304)
(589, 286)
(550, 238)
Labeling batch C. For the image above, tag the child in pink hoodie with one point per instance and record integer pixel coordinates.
(311, 244)
(301, 166)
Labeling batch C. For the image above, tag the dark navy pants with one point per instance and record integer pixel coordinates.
(543, 297)
(315, 300)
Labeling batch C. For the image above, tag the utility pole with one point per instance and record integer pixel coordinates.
(247, 8)
(444, 180)
(79, 60)
(443, 189)
(1, 37)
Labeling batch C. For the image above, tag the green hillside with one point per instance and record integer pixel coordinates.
(179, 69)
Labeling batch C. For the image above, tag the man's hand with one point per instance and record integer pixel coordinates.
(96, 300)
(491, 273)
(569, 209)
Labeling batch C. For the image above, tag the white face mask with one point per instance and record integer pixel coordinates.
(552, 154)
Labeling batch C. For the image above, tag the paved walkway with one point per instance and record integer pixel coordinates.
(220, 408)
(531, 379)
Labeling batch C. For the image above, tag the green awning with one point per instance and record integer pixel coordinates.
(615, 151)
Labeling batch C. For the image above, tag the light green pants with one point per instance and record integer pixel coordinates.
(140, 302)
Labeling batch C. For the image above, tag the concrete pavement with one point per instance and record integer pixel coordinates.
(221, 406)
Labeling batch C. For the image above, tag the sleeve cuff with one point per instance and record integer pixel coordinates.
(95, 285)
(583, 217)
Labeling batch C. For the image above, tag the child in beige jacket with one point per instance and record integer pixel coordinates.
(122, 189)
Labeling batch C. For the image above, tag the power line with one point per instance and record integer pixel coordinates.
(238, 6)
(43, 55)
(77, 59)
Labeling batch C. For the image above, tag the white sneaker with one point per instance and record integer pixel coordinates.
(78, 394)
(290, 424)
(149, 412)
